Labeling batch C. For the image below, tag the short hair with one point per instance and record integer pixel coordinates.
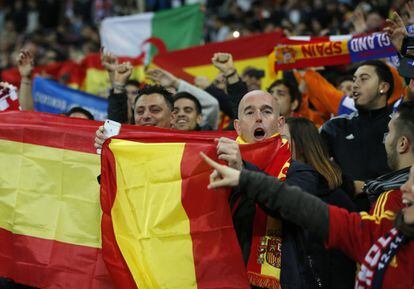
(78, 109)
(383, 72)
(189, 96)
(404, 123)
(343, 78)
(150, 89)
(293, 90)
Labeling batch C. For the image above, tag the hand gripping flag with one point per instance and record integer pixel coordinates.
(162, 227)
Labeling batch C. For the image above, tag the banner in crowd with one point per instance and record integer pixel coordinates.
(90, 76)
(178, 28)
(159, 179)
(49, 202)
(249, 51)
(305, 52)
(53, 97)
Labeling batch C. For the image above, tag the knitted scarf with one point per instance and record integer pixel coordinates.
(391, 181)
(264, 263)
(381, 253)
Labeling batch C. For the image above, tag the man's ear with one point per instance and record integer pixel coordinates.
(384, 87)
(294, 105)
(281, 123)
(236, 126)
(172, 119)
(199, 119)
(403, 145)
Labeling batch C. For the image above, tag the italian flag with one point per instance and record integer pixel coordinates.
(177, 28)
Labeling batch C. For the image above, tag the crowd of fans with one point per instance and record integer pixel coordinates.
(359, 162)
(71, 30)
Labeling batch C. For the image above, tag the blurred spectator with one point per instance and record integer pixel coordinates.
(79, 112)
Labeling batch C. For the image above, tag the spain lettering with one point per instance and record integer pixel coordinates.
(321, 49)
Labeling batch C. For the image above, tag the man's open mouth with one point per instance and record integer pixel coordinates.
(259, 133)
(355, 95)
(407, 203)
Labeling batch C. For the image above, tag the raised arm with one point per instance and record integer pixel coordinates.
(291, 202)
(209, 104)
(25, 66)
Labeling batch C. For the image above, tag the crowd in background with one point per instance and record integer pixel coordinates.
(71, 30)
(364, 145)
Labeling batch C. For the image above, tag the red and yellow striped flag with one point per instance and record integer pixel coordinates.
(170, 230)
(162, 227)
(49, 202)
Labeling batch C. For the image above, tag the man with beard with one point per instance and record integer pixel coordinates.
(399, 145)
(356, 141)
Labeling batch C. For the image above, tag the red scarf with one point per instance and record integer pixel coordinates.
(264, 264)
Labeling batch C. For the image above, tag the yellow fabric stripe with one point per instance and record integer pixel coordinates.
(97, 82)
(261, 62)
(151, 226)
(50, 193)
(384, 202)
(377, 206)
(379, 212)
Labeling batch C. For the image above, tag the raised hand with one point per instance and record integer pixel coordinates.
(396, 30)
(162, 77)
(122, 73)
(109, 61)
(224, 63)
(409, 9)
(222, 176)
(358, 21)
(25, 64)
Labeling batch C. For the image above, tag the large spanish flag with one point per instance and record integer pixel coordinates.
(49, 202)
(162, 227)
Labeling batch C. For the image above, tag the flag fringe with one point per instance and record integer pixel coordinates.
(263, 281)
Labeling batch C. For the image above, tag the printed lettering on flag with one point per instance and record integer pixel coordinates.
(305, 52)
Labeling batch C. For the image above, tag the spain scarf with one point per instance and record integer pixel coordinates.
(264, 263)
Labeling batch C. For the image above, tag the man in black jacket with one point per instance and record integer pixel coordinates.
(258, 119)
(356, 141)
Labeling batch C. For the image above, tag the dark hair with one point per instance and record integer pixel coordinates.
(79, 109)
(311, 149)
(383, 72)
(404, 123)
(189, 96)
(150, 89)
(343, 78)
(133, 82)
(293, 90)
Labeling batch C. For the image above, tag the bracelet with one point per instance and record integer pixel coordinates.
(231, 74)
(26, 82)
(118, 86)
